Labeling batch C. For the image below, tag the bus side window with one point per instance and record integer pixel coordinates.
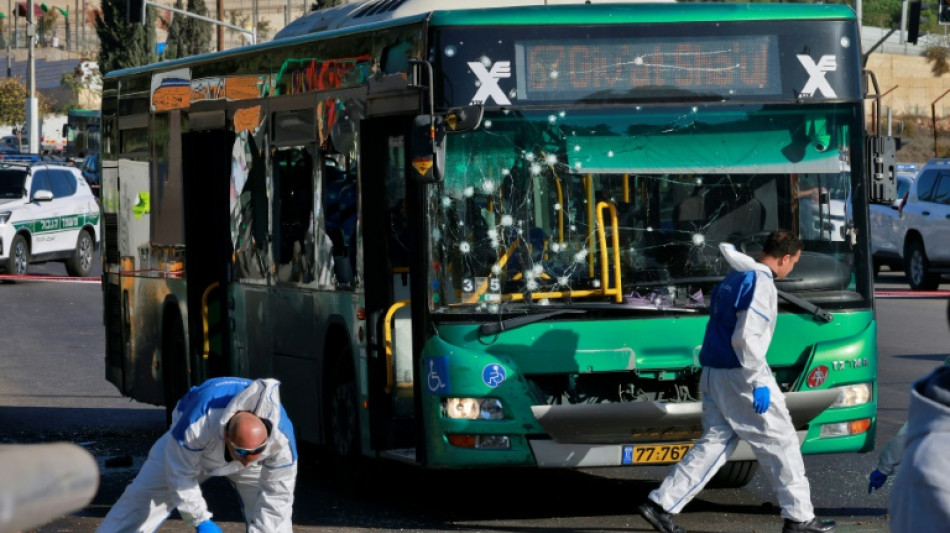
(293, 235)
(339, 207)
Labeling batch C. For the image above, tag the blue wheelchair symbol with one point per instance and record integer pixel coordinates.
(493, 375)
(437, 376)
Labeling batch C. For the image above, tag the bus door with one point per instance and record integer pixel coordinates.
(206, 168)
(388, 214)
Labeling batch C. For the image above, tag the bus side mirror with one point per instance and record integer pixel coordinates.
(881, 157)
(428, 148)
(464, 118)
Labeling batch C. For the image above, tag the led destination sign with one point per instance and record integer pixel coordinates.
(588, 68)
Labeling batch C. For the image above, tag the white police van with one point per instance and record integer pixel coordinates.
(47, 213)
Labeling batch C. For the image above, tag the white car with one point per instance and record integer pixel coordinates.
(824, 221)
(47, 213)
(885, 228)
(924, 231)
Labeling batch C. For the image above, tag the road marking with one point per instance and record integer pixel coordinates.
(46, 277)
(907, 293)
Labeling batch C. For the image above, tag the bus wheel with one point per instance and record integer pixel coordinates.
(343, 430)
(734, 475)
(79, 263)
(174, 370)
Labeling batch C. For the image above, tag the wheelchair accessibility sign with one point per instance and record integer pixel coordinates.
(437, 374)
(494, 375)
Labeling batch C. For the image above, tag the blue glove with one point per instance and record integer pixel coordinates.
(760, 399)
(208, 527)
(876, 480)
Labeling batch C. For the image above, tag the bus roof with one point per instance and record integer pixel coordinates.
(447, 12)
(377, 14)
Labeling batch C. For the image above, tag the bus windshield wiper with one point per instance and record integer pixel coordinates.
(817, 313)
(491, 328)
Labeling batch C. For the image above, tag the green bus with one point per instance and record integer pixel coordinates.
(81, 132)
(484, 237)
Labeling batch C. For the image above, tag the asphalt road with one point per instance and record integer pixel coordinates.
(52, 388)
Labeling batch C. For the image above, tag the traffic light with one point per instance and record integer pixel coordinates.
(943, 13)
(913, 21)
(135, 11)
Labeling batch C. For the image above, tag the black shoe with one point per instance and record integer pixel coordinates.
(661, 520)
(812, 526)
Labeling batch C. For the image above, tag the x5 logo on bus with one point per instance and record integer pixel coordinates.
(488, 82)
(816, 75)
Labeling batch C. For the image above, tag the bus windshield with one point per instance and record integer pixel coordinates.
(631, 203)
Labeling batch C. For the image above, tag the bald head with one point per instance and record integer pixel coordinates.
(246, 430)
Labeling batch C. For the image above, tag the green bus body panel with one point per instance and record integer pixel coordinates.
(641, 13)
(543, 15)
(846, 346)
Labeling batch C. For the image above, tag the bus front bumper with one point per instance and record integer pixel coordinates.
(585, 435)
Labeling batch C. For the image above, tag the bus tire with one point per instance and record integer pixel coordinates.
(342, 444)
(174, 369)
(79, 263)
(734, 475)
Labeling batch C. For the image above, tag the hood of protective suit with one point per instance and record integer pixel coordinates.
(262, 397)
(933, 393)
(738, 260)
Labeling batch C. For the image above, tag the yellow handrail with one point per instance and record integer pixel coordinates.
(204, 320)
(388, 337)
(560, 212)
(589, 189)
(602, 236)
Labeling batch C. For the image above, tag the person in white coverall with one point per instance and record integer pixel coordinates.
(891, 456)
(740, 397)
(231, 427)
(920, 497)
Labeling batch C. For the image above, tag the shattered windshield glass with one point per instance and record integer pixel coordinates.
(629, 205)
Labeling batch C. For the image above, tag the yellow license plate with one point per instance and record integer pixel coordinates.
(654, 454)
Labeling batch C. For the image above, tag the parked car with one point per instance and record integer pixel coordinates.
(924, 234)
(885, 227)
(47, 213)
(10, 144)
(90, 171)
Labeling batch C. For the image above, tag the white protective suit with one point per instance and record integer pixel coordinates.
(890, 458)
(920, 497)
(734, 365)
(194, 450)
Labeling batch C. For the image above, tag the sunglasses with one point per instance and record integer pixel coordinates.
(244, 452)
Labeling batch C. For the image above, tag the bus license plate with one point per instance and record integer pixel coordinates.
(654, 454)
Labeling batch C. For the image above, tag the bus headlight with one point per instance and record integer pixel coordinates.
(474, 408)
(851, 395)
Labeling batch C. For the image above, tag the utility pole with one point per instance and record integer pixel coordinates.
(903, 38)
(256, 17)
(32, 105)
(220, 28)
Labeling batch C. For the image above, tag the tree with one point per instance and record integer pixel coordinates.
(238, 18)
(123, 45)
(189, 36)
(13, 102)
(937, 57)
